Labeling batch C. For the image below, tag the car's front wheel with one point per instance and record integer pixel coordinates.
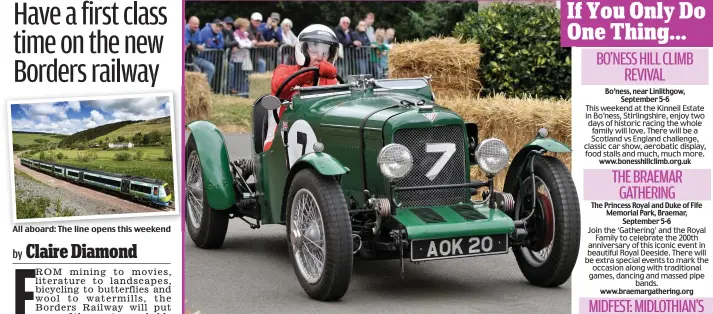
(549, 256)
(207, 227)
(319, 235)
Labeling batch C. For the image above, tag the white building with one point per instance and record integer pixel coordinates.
(121, 145)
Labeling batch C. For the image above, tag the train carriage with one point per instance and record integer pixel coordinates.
(44, 167)
(72, 174)
(103, 181)
(159, 192)
(58, 172)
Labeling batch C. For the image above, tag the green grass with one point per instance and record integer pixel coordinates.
(150, 153)
(30, 206)
(231, 114)
(26, 139)
(162, 125)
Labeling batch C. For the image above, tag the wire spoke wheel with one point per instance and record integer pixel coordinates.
(319, 235)
(543, 220)
(550, 208)
(307, 237)
(206, 227)
(194, 193)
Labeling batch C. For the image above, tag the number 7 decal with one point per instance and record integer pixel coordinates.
(447, 149)
(302, 140)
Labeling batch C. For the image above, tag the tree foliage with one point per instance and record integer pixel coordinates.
(123, 156)
(521, 52)
(439, 18)
(93, 133)
(411, 20)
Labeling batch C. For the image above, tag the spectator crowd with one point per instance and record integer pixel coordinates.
(251, 44)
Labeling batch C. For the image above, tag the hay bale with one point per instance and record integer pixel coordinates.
(260, 84)
(451, 64)
(198, 97)
(515, 121)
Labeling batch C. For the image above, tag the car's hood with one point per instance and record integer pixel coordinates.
(386, 111)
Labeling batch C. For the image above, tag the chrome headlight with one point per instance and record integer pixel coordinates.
(395, 161)
(492, 155)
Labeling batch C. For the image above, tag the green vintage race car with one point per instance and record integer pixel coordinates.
(376, 169)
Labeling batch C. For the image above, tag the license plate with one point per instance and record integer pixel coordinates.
(423, 250)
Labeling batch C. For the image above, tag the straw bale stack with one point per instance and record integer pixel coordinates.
(515, 121)
(260, 84)
(451, 64)
(198, 96)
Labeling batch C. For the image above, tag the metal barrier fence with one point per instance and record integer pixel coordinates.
(228, 77)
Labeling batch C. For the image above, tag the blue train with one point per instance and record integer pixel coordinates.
(156, 192)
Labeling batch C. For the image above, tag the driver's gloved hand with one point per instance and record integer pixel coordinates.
(281, 74)
(327, 70)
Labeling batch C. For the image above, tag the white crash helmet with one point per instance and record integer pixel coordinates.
(316, 37)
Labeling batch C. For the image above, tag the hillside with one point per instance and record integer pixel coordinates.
(162, 125)
(28, 138)
(93, 133)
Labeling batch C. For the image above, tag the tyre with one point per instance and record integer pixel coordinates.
(319, 235)
(547, 260)
(207, 227)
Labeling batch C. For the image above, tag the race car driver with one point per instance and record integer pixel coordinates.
(316, 46)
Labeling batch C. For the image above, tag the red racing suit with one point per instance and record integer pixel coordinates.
(327, 73)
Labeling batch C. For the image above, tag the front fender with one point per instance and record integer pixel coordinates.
(324, 163)
(520, 158)
(549, 145)
(215, 164)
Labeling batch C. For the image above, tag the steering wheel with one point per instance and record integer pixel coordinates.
(292, 77)
(300, 72)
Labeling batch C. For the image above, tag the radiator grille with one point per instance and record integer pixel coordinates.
(468, 212)
(453, 172)
(427, 215)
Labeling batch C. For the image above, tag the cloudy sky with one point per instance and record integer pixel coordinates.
(74, 116)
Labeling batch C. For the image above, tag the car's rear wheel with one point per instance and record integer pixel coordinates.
(319, 235)
(207, 227)
(549, 256)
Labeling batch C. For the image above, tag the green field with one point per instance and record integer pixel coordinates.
(150, 166)
(150, 153)
(231, 114)
(162, 125)
(26, 139)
